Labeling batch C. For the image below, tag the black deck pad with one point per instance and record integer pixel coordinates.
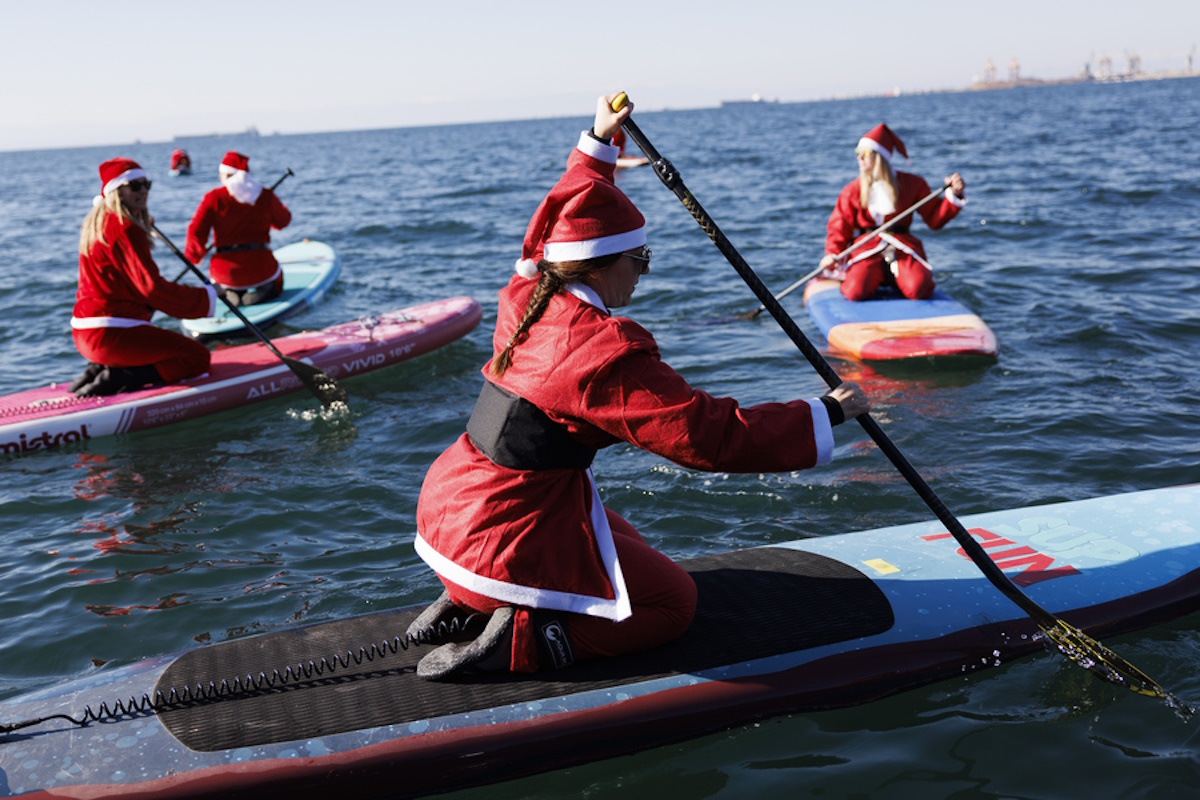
(752, 604)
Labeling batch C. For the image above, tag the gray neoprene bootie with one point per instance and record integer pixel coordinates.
(437, 622)
(490, 651)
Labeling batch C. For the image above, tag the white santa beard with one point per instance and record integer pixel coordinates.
(880, 203)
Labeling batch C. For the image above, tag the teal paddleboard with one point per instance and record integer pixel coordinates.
(310, 269)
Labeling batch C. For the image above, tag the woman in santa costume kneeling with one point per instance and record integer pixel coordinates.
(509, 516)
(870, 200)
(239, 214)
(120, 287)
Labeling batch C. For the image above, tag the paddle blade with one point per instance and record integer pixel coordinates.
(1092, 655)
(327, 390)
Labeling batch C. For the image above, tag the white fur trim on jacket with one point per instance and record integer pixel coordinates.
(587, 294)
(84, 323)
(899, 245)
(617, 609)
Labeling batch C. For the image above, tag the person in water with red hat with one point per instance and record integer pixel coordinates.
(181, 162)
(120, 287)
(509, 516)
(873, 198)
(239, 214)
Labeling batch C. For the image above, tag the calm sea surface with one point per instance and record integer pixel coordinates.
(1079, 247)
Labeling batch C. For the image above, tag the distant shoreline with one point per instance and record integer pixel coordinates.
(1125, 78)
(753, 100)
(976, 86)
(1021, 83)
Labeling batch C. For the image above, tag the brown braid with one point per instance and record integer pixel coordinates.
(551, 280)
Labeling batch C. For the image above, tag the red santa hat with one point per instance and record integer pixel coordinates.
(882, 140)
(234, 162)
(584, 216)
(117, 172)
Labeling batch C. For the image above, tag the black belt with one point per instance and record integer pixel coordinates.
(514, 433)
(241, 248)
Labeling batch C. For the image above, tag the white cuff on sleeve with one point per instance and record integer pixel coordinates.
(596, 149)
(822, 430)
(212, 300)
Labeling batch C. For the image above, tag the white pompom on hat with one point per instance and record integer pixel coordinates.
(527, 268)
(585, 215)
(882, 140)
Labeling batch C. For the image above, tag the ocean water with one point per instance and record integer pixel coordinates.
(1078, 247)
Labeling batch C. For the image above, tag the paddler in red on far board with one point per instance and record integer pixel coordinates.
(239, 214)
(181, 162)
(509, 516)
(870, 200)
(120, 287)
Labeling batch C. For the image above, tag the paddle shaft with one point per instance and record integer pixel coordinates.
(866, 237)
(328, 392)
(670, 177)
(237, 313)
(272, 187)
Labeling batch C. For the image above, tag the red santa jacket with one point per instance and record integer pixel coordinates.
(120, 285)
(541, 538)
(232, 224)
(849, 219)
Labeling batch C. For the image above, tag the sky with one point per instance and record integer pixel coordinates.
(81, 72)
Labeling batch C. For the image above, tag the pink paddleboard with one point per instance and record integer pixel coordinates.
(50, 416)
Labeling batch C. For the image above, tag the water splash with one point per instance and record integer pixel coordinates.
(335, 412)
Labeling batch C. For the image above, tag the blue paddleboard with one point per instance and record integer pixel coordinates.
(335, 708)
(890, 327)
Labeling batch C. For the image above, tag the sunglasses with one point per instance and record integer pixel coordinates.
(644, 257)
(863, 153)
(140, 185)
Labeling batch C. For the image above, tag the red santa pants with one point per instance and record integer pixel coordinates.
(661, 592)
(913, 278)
(174, 355)
(244, 270)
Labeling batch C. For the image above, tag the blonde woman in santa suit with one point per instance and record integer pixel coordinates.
(870, 200)
(509, 516)
(239, 214)
(120, 287)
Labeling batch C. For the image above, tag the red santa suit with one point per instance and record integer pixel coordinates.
(866, 268)
(119, 289)
(240, 215)
(541, 538)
